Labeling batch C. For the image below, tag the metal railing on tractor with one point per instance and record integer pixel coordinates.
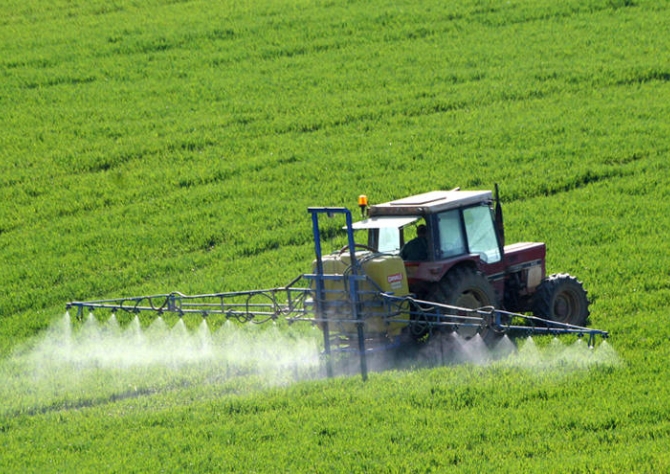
(309, 298)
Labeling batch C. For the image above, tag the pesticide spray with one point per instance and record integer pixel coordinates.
(77, 364)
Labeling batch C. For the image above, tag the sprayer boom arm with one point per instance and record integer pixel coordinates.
(297, 304)
(256, 306)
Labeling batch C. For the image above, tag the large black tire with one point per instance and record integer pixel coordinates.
(562, 298)
(466, 288)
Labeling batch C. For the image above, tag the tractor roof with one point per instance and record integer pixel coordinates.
(430, 203)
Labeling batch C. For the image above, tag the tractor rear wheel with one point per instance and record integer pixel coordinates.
(562, 298)
(466, 288)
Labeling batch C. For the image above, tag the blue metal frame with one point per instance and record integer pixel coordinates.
(353, 278)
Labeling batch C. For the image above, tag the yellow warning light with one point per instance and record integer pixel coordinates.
(363, 204)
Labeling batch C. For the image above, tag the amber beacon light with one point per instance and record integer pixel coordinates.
(363, 204)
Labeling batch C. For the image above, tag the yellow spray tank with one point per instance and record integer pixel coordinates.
(380, 273)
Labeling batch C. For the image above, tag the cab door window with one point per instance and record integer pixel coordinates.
(481, 233)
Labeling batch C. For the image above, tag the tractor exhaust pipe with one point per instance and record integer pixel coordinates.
(500, 225)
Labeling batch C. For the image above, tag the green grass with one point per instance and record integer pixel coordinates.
(147, 147)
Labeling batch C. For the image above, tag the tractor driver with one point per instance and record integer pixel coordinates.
(417, 248)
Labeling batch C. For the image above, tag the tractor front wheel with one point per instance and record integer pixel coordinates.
(562, 298)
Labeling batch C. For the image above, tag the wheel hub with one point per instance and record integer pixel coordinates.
(468, 300)
(563, 307)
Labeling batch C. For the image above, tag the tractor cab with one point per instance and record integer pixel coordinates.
(458, 223)
(460, 226)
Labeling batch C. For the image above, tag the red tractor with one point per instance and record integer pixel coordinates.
(460, 258)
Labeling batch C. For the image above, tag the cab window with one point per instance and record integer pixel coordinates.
(481, 233)
(389, 240)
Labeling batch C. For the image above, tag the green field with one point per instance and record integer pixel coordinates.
(147, 147)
